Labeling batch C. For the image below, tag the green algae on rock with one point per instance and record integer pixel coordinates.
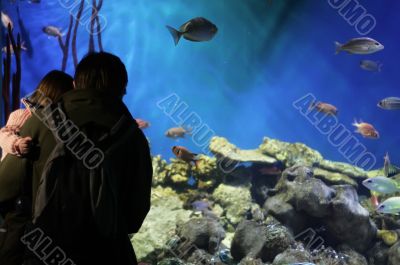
(235, 200)
(172, 261)
(220, 147)
(333, 178)
(159, 170)
(178, 171)
(206, 172)
(290, 153)
(343, 168)
(165, 214)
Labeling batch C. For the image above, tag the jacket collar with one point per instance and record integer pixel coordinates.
(93, 105)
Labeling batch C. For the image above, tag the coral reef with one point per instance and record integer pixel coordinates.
(292, 256)
(394, 254)
(165, 214)
(220, 147)
(178, 172)
(290, 154)
(282, 204)
(159, 170)
(256, 240)
(204, 233)
(333, 177)
(389, 237)
(234, 200)
(343, 168)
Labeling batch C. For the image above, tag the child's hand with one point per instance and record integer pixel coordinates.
(23, 145)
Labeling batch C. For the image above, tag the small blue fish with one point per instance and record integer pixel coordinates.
(390, 103)
(360, 46)
(390, 206)
(382, 185)
(191, 181)
(302, 263)
(201, 205)
(371, 66)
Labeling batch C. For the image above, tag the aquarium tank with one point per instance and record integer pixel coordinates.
(272, 124)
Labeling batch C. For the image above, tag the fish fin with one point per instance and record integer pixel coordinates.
(338, 47)
(380, 65)
(189, 130)
(23, 47)
(393, 171)
(176, 35)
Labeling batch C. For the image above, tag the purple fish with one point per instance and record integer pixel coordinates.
(201, 205)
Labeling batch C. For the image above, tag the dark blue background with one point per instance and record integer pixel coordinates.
(243, 83)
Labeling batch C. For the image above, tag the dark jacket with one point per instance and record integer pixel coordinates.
(83, 107)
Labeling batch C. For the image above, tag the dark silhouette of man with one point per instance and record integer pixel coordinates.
(100, 84)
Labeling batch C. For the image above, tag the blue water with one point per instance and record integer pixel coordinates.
(243, 83)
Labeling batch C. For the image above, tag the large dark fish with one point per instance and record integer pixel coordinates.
(390, 103)
(196, 29)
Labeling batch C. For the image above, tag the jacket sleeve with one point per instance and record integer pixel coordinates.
(139, 181)
(13, 169)
(7, 141)
(8, 135)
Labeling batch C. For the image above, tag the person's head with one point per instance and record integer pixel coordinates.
(102, 72)
(52, 87)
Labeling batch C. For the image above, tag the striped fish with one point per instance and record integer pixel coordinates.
(390, 103)
(389, 169)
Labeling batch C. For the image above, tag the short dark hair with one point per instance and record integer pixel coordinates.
(102, 71)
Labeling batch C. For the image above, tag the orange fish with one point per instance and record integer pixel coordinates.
(324, 108)
(366, 130)
(142, 123)
(184, 154)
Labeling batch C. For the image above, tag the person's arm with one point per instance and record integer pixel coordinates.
(139, 182)
(7, 141)
(8, 134)
(13, 169)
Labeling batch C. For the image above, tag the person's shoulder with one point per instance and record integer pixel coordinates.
(33, 126)
(18, 117)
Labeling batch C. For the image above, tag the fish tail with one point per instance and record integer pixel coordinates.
(355, 123)
(23, 47)
(312, 105)
(338, 47)
(380, 65)
(189, 130)
(176, 35)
